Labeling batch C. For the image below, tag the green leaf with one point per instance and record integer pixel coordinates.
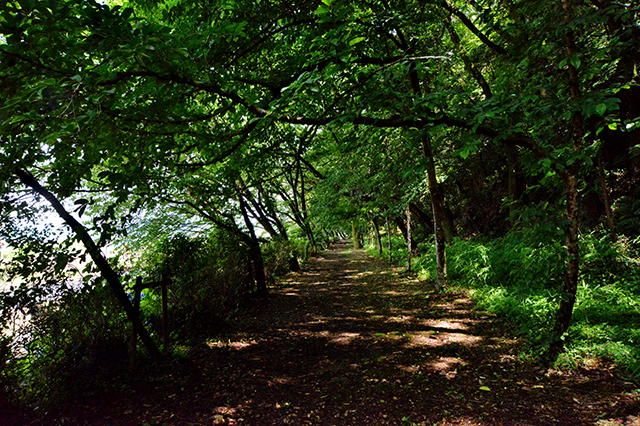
(485, 388)
(356, 41)
(601, 109)
(126, 13)
(321, 10)
(575, 61)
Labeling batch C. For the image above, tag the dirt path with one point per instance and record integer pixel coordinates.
(349, 341)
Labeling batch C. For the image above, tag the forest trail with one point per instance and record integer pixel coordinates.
(351, 341)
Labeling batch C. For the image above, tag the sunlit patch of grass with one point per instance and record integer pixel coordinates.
(519, 277)
(606, 324)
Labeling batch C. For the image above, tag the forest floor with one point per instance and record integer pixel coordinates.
(353, 341)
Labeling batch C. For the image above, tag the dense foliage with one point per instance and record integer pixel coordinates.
(217, 142)
(517, 276)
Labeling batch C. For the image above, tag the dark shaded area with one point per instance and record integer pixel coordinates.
(350, 341)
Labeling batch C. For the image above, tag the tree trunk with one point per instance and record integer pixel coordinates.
(255, 253)
(355, 236)
(423, 218)
(260, 215)
(389, 239)
(305, 215)
(101, 262)
(512, 163)
(437, 198)
(607, 201)
(448, 223)
(408, 239)
(570, 287)
(376, 228)
(271, 212)
(437, 202)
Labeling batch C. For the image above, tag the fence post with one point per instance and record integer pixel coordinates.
(165, 314)
(133, 344)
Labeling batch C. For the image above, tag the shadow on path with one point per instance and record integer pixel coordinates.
(350, 341)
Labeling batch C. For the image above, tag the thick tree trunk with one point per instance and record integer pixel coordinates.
(355, 236)
(100, 261)
(570, 287)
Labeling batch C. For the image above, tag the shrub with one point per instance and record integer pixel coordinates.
(209, 276)
(281, 257)
(67, 344)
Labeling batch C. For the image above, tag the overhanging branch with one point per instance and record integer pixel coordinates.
(98, 258)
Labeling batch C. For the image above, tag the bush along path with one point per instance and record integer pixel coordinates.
(351, 341)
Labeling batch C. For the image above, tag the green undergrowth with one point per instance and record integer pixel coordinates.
(519, 277)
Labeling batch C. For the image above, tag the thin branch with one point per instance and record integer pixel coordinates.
(244, 132)
(470, 25)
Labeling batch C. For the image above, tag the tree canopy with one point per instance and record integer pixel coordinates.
(308, 118)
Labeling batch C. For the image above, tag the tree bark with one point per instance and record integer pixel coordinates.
(100, 261)
(512, 164)
(437, 201)
(570, 286)
(271, 212)
(376, 228)
(355, 236)
(423, 218)
(389, 239)
(255, 253)
(401, 223)
(258, 212)
(408, 239)
(607, 201)
(305, 214)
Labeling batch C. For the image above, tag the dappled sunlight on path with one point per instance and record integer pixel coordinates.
(353, 341)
